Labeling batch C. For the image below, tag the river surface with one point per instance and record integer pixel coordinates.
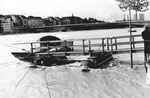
(19, 80)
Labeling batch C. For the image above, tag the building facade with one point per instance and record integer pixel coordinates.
(7, 26)
(24, 20)
(35, 21)
(141, 17)
(51, 21)
(71, 20)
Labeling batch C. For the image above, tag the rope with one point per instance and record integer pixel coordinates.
(47, 83)
(105, 60)
(23, 77)
(25, 56)
(99, 48)
(13, 46)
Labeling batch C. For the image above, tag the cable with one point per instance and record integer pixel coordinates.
(23, 77)
(47, 84)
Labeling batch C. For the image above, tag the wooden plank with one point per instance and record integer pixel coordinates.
(127, 50)
(138, 42)
(76, 39)
(127, 43)
(60, 53)
(118, 37)
(84, 44)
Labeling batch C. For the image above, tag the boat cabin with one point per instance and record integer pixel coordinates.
(54, 43)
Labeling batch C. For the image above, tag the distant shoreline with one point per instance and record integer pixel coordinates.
(76, 27)
(80, 27)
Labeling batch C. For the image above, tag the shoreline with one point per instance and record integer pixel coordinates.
(75, 27)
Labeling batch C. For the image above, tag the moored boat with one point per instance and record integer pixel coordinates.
(56, 52)
(97, 60)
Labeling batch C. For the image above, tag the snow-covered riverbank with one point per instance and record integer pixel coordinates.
(19, 80)
(67, 81)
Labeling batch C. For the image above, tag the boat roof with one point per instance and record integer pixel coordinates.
(33, 38)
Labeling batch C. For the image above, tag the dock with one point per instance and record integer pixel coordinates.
(115, 45)
(89, 48)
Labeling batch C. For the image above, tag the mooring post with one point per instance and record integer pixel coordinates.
(102, 44)
(116, 43)
(48, 49)
(111, 43)
(131, 55)
(89, 46)
(107, 43)
(65, 48)
(31, 47)
(83, 46)
(133, 41)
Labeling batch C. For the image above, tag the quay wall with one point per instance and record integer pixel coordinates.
(75, 27)
(78, 27)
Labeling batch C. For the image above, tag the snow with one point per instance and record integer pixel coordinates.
(68, 81)
(118, 80)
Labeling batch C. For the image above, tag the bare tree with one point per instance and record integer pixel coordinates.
(137, 5)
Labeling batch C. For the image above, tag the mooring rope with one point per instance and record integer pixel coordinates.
(105, 60)
(23, 77)
(99, 48)
(46, 82)
(13, 46)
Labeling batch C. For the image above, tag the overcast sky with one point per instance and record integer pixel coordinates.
(100, 9)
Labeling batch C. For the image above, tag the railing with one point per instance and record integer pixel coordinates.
(118, 44)
(121, 44)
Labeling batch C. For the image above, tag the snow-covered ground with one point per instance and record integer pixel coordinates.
(118, 80)
(68, 81)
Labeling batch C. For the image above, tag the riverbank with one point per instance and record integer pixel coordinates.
(19, 80)
(75, 27)
(80, 27)
(118, 80)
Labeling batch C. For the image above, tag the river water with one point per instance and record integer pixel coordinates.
(19, 80)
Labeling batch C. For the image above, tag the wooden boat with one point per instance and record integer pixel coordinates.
(39, 58)
(25, 56)
(43, 54)
(97, 60)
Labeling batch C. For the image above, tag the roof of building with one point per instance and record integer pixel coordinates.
(32, 17)
(22, 16)
(71, 17)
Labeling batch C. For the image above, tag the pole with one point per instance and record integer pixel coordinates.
(83, 47)
(131, 55)
(31, 47)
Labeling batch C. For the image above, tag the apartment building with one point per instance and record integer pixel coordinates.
(35, 21)
(71, 20)
(7, 26)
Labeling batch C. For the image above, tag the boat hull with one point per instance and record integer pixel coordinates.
(96, 60)
(99, 59)
(24, 56)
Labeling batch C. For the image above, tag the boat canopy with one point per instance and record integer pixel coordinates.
(49, 38)
(55, 44)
